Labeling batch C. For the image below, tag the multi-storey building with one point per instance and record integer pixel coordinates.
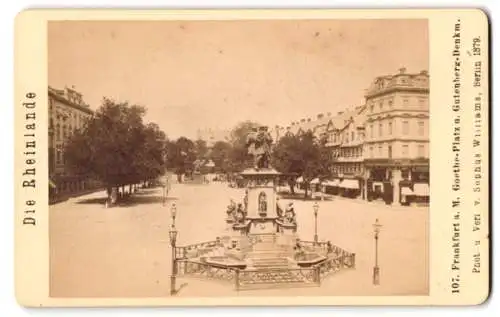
(67, 113)
(397, 142)
(379, 149)
(346, 135)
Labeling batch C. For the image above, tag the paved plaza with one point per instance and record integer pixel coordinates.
(125, 251)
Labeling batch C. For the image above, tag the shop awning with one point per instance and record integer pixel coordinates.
(406, 191)
(421, 189)
(332, 182)
(300, 179)
(315, 181)
(349, 184)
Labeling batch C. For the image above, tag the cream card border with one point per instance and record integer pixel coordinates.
(32, 251)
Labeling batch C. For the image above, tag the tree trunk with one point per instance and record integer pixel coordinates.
(109, 189)
(130, 189)
(305, 191)
(292, 187)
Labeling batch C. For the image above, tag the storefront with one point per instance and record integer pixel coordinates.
(349, 188)
(70, 185)
(393, 181)
(332, 187)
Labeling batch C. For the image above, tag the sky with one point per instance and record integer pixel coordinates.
(213, 74)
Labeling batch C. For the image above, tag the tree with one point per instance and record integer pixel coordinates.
(181, 155)
(201, 149)
(220, 155)
(116, 147)
(303, 155)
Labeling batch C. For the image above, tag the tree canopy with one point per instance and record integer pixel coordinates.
(303, 155)
(116, 146)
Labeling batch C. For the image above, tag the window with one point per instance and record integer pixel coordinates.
(59, 155)
(405, 173)
(58, 132)
(406, 127)
(381, 105)
(371, 151)
(420, 128)
(389, 151)
(352, 136)
(380, 150)
(406, 101)
(380, 129)
(371, 131)
(371, 107)
(390, 102)
(390, 129)
(421, 102)
(421, 150)
(405, 150)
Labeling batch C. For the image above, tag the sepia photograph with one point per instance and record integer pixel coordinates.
(286, 157)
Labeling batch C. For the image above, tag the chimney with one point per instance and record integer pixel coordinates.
(308, 119)
(329, 114)
(402, 70)
(302, 120)
(320, 116)
(293, 123)
(340, 113)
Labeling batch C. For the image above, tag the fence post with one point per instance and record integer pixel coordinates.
(318, 275)
(237, 280)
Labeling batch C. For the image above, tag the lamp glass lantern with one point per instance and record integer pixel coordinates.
(376, 227)
(316, 208)
(173, 212)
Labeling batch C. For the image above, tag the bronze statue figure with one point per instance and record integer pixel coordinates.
(259, 145)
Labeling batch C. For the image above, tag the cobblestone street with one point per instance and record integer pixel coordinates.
(125, 251)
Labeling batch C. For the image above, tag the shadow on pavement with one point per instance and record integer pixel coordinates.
(133, 200)
(148, 191)
(143, 200)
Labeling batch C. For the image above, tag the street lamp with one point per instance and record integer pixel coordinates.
(316, 208)
(376, 269)
(173, 239)
(173, 213)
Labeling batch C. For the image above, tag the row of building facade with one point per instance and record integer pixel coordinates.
(67, 113)
(380, 149)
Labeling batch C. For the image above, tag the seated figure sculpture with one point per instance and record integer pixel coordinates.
(231, 209)
(290, 214)
(240, 214)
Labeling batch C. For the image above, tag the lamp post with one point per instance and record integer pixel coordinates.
(376, 269)
(173, 213)
(173, 239)
(164, 195)
(316, 208)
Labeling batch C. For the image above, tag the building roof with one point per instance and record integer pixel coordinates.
(70, 97)
(400, 81)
